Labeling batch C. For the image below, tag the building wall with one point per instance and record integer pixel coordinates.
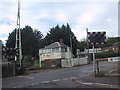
(52, 63)
(66, 53)
(54, 54)
(47, 56)
(73, 62)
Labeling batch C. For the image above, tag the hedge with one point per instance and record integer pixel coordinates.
(107, 54)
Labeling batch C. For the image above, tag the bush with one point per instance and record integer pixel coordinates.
(107, 54)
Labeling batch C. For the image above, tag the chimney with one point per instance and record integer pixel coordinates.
(61, 41)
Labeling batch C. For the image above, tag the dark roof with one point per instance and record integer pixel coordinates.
(55, 45)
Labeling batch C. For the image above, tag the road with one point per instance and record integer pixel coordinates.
(57, 78)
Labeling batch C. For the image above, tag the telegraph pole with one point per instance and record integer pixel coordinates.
(18, 37)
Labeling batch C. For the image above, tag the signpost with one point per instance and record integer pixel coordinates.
(96, 38)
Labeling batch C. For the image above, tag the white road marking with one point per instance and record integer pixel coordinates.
(17, 87)
(73, 78)
(30, 77)
(87, 83)
(85, 75)
(101, 84)
(32, 84)
(112, 71)
(56, 80)
(26, 77)
(45, 82)
(79, 82)
(65, 79)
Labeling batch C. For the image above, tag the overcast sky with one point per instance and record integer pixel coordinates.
(96, 15)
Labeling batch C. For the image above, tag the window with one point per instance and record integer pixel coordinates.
(65, 49)
(48, 50)
(55, 49)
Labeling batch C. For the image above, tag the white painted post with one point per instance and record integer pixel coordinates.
(39, 59)
(94, 65)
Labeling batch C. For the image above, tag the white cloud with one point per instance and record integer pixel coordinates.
(43, 16)
(61, 17)
(90, 15)
(5, 30)
(79, 33)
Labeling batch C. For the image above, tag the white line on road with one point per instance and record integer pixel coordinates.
(45, 82)
(26, 77)
(17, 87)
(73, 78)
(112, 71)
(87, 83)
(99, 84)
(30, 77)
(32, 84)
(85, 75)
(65, 79)
(56, 80)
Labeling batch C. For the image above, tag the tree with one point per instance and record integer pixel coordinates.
(29, 39)
(82, 45)
(11, 40)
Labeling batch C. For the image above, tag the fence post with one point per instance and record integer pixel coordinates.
(97, 62)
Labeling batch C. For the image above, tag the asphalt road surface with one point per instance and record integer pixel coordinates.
(59, 78)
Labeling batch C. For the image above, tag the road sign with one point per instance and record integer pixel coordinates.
(96, 37)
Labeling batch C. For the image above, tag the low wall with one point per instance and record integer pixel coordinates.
(73, 62)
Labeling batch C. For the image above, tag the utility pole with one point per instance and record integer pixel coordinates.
(18, 37)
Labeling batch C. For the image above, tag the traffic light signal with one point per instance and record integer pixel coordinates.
(10, 53)
(3, 51)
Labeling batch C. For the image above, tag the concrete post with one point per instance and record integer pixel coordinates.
(94, 65)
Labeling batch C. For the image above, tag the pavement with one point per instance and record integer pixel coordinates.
(108, 80)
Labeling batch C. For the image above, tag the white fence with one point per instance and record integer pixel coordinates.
(73, 62)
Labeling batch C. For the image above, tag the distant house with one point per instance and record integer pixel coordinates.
(52, 54)
(115, 47)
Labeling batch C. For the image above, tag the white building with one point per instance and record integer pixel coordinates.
(53, 53)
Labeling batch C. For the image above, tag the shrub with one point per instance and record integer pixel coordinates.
(107, 54)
